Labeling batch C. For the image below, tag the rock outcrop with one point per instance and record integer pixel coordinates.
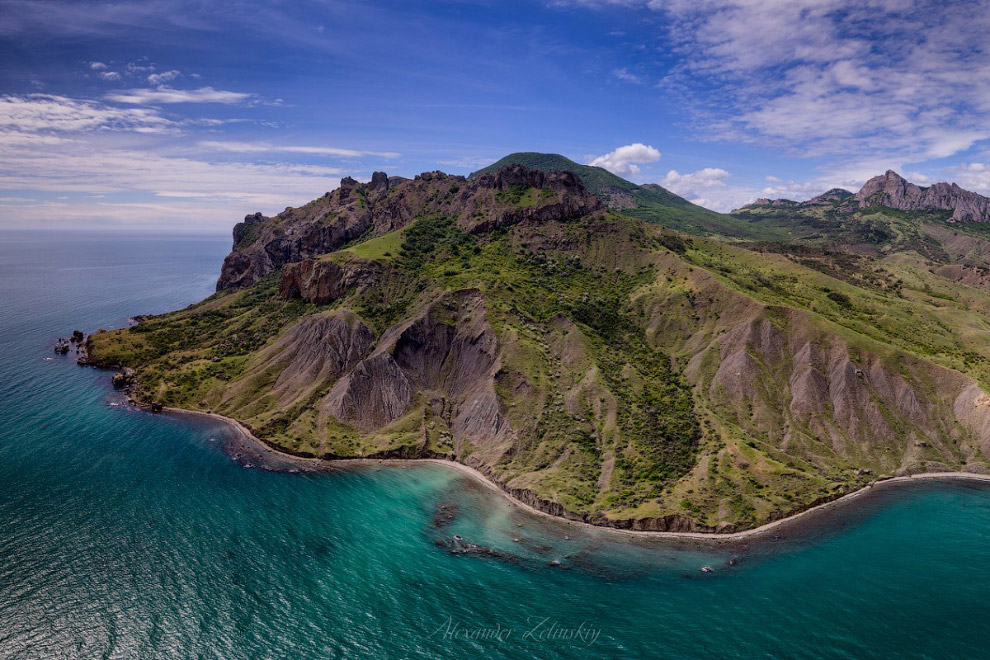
(313, 354)
(451, 349)
(511, 195)
(893, 190)
(322, 281)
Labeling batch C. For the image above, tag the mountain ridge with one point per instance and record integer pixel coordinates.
(891, 190)
(593, 364)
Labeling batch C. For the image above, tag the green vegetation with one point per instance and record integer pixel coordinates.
(385, 246)
(721, 370)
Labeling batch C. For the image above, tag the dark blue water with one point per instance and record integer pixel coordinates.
(128, 535)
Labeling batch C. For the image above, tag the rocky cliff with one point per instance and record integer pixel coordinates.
(891, 189)
(384, 204)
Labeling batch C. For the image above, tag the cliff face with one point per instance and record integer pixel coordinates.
(894, 191)
(891, 189)
(594, 365)
(322, 281)
(262, 244)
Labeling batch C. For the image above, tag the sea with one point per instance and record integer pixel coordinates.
(125, 534)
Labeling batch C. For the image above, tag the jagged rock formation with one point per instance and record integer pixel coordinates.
(262, 244)
(322, 281)
(448, 350)
(891, 189)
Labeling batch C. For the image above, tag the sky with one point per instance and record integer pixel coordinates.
(186, 115)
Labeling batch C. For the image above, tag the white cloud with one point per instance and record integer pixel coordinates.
(623, 161)
(194, 192)
(798, 191)
(973, 176)
(706, 187)
(47, 113)
(163, 77)
(170, 95)
(135, 69)
(109, 75)
(265, 147)
(710, 187)
(97, 66)
(694, 183)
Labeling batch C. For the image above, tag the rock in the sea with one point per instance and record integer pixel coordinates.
(61, 346)
(123, 379)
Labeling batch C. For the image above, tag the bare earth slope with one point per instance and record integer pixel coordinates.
(594, 365)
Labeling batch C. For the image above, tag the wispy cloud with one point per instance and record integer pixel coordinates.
(47, 113)
(265, 147)
(88, 161)
(625, 161)
(469, 162)
(625, 75)
(163, 94)
(163, 77)
(198, 192)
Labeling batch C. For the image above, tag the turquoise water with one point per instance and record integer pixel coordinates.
(128, 535)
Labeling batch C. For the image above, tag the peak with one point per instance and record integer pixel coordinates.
(533, 159)
(830, 196)
(894, 191)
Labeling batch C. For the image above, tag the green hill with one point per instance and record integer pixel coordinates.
(651, 202)
(596, 179)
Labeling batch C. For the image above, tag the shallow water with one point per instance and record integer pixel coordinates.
(124, 534)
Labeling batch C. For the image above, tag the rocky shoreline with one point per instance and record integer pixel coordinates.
(670, 527)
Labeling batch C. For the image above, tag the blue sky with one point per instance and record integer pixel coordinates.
(186, 115)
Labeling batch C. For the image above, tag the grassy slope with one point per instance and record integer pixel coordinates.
(201, 357)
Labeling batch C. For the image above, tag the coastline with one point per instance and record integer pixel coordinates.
(478, 476)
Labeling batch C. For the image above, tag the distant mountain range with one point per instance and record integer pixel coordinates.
(894, 191)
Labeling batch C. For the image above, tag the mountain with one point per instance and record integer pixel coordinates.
(892, 190)
(591, 363)
(356, 211)
(650, 201)
(831, 196)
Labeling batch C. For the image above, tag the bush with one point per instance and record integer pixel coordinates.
(840, 298)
